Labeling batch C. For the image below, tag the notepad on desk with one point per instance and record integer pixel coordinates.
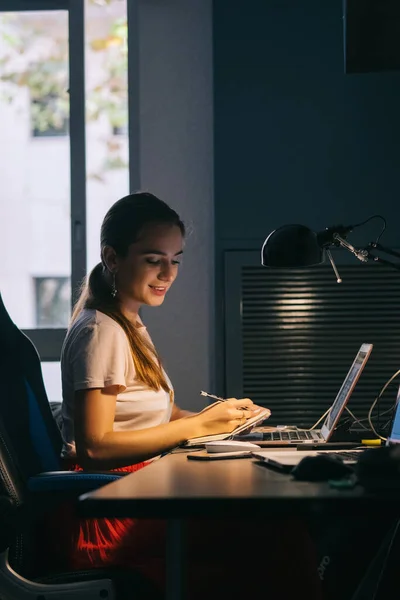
(200, 441)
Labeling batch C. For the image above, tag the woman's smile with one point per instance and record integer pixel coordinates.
(158, 290)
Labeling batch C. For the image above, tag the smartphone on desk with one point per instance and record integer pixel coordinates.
(203, 455)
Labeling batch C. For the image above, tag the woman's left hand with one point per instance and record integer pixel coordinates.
(251, 427)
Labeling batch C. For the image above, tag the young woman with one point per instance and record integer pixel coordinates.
(119, 411)
(118, 402)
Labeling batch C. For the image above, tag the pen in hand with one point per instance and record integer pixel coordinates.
(218, 398)
(212, 396)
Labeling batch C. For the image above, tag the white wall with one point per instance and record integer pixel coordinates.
(177, 164)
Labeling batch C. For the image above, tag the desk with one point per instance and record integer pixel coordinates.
(175, 488)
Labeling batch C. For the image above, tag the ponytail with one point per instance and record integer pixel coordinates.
(96, 294)
(89, 283)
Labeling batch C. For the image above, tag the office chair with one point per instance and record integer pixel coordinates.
(13, 586)
(33, 481)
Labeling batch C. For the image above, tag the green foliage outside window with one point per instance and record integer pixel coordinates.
(44, 73)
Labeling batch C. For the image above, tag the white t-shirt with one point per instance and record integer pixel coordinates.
(96, 354)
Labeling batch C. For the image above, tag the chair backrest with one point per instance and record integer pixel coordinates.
(13, 496)
(24, 407)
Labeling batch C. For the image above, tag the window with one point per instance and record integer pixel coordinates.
(53, 206)
(35, 178)
(53, 305)
(78, 103)
(106, 76)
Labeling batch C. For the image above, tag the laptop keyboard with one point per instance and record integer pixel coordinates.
(295, 436)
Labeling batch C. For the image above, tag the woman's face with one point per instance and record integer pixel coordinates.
(149, 269)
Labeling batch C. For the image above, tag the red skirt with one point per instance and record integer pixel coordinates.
(224, 557)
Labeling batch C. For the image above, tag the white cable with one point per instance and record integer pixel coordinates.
(368, 418)
(320, 419)
(374, 403)
(323, 416)
(355, 418)
(382, 413)
(326, 412)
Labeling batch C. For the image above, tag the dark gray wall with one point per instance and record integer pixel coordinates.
(297, 140)
(176, 158)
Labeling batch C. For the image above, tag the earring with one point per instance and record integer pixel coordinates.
(113, 286)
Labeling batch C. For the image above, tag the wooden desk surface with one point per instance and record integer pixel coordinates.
(174, 486)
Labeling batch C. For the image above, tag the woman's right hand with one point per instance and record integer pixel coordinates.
(224, 417)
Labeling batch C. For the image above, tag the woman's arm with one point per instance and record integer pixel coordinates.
(179, 413)
(100, 447)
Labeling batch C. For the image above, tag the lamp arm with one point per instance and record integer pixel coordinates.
(380, 259)
(365, 254)
(383, 261)
(338, 278)
(390, 251)
(362, 254)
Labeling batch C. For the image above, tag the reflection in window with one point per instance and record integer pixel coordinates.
(53, 301)
(49, 116)
(120, 130)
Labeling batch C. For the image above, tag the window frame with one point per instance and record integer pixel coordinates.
(32, 5)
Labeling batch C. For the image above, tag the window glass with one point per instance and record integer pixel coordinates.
(35, 150)
(53, 301)
(52, 380)
(106, 113)
(35, 166)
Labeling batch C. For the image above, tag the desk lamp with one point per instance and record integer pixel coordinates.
(293, 246)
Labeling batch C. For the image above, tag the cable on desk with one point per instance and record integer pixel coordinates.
(369, 417)
(375, 402)
(328, 411)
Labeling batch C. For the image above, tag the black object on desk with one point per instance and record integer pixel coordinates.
(321, 468)
(328, 446)
(378, 469)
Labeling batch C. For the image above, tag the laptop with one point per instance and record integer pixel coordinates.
(286, 459)
(291, 436)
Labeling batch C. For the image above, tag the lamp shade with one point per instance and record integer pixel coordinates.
(291, 246)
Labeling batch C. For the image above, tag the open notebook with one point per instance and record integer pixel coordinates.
(200, 441)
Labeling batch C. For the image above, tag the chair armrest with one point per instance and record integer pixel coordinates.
(72, 482)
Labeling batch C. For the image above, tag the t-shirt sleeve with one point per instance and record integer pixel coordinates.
(98, 359)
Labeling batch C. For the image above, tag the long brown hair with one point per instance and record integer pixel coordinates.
(121, 227)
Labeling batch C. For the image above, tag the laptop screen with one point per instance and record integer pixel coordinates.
(346, 390)
(394, 437)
